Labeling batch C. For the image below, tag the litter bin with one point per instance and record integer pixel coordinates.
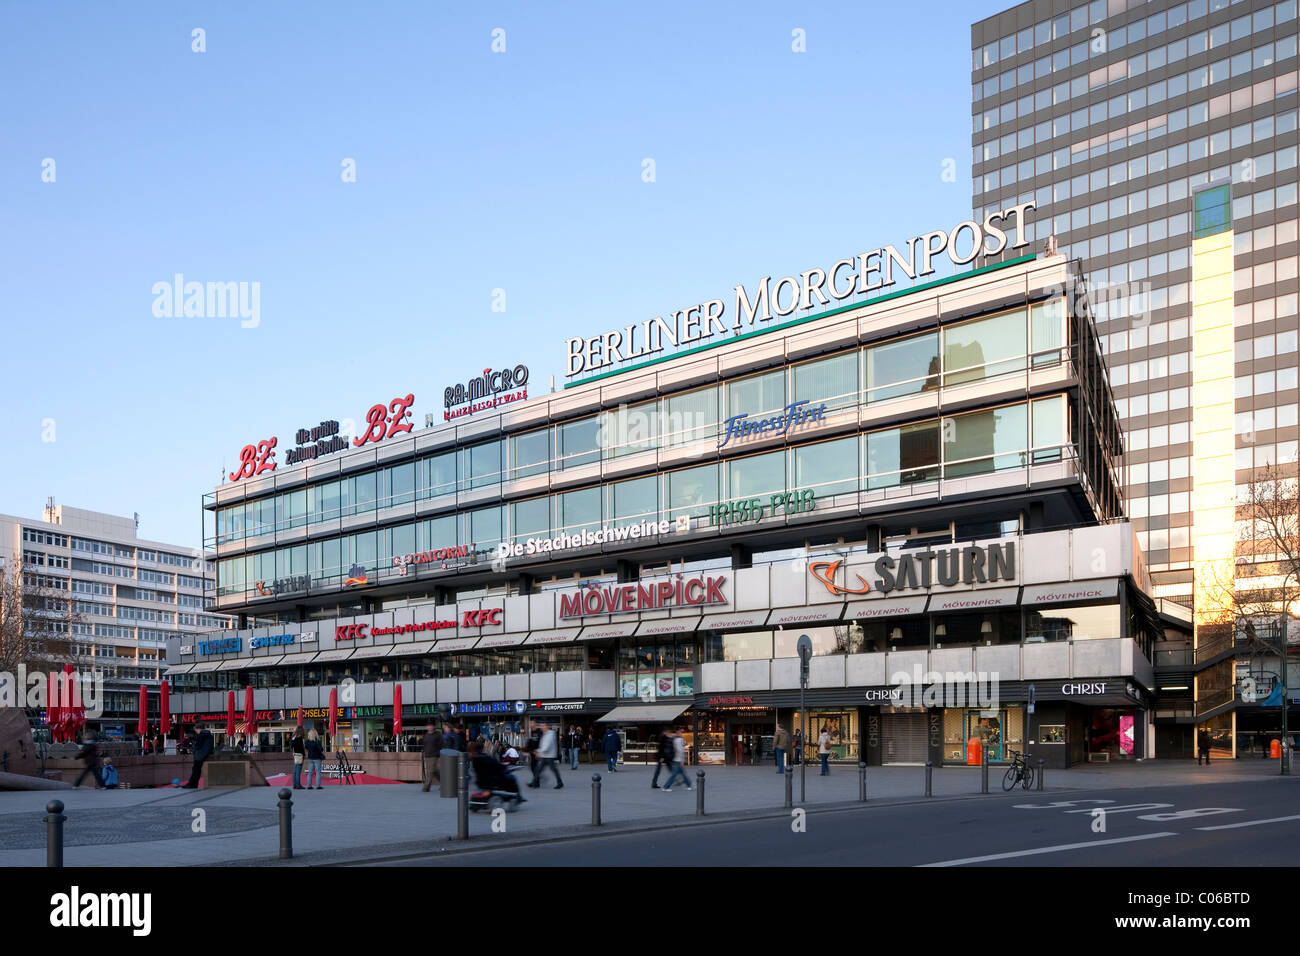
(447, 774)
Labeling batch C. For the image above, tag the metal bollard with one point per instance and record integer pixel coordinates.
(462, 797)
(929, 778)
(54, 820)
(789, 787)
(1041, 764)
(595, 799)
(699, 793)
(862, 781)
(984, 770)
(286, 823)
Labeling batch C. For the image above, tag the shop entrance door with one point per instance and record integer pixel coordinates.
(903, 739)
(749, 743)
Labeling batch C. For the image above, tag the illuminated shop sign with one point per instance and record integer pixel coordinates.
(298, 582)
(862, 274)
(223, 645)
(356, 575)
(488, 390)
(350, 632)
(488, 617)
(489, 707)
(755, 509)
(794, 415)
(401, 561)
(599, 599)
(587, 539)
(931, 567)
(274, 640)
(412, 628)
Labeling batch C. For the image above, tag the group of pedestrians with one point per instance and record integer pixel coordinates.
(782, 741)
(672, 755)
(308, 750)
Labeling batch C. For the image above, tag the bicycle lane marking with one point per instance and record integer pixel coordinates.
(1250, 823)
(1059, 848)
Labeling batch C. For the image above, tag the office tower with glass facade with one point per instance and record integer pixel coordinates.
(1158, 141)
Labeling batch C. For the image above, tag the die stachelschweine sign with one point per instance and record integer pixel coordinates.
(863, 274)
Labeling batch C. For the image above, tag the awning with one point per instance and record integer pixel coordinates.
(668, 625)
(560, 636)
(202, 667)
(337, 654)
(503, 640)
(421, 647)
(235, 664)
(600, 632)
(178, 669)
(301, 658)
(455, 644)
(645, 713)
(812, 614)
(1068, 593)
(733, 620)
(266, 661)
(885, 607)
(973, 600)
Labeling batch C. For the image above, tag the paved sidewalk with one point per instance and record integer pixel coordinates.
(338, 824)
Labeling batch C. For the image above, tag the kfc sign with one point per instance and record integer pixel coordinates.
(488, 617)
(350, 632)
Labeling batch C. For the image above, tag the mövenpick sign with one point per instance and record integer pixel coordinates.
(863, 274)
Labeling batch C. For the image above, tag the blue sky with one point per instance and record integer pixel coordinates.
(475, 171)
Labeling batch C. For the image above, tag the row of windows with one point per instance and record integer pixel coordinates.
(156, 577)
(113, 570)
(92, 587)
(979, 442)
(185, 581)
(1045, 31)
(204, 620)
(1139, 166)
(93, 607)
(33, 536)
(42, 560)
(1153, 58)
(1264, 383)
(45, 582)
(118, 551)
(145, 614)
(958, 354)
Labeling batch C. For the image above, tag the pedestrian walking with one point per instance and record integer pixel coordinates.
(612, 744)
(679, 759)
(798, 746)
(781, 744)
(315, 753)
(575, 742)
(449, 742)
(824, 750)
(548, 753)
(89, 756)
(664, 758)
(1203, 747)
(203, 747)
(299, 755)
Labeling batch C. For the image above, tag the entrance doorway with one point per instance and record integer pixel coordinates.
(903, 738)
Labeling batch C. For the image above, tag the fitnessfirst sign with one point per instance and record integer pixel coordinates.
(863, 274)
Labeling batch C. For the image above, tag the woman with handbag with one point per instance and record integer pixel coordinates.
(315, 754)
(299, 755)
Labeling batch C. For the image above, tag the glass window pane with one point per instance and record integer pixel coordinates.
(756, 395)
(976, 350)
(905, 367)
(1049, 428)
(483, 464)
(984, 441)
(691, 417)
(579, 442)
(827, 468)
(530, 454)
(1048, 330)
(440, 475)
(631, 429)
(438, 533)
(756, 475)
(531, 518)
(832, 380)
(483, 527)
(636, 500)
(401, 485)
(692, 490)
(361, 493)
(903, 456)
(580, 510)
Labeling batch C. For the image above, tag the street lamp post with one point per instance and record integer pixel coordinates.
(805, 652)
(1284, 761)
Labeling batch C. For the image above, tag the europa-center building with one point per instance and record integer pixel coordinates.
(922, 480)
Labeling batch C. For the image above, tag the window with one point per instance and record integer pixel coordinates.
(631, 429)
(692, 490)
(983, 348)
(439, 475)
(984, 441)
(530, 519)
(691, 417)
(1047, 326)
(483, 464)
(906, 367)
(902, 456)
(635, 501)
(399, 485)
(1049, 428)
(580, 510)
(579, 442)
(756, 395)
(361, 493)
(1072, 624)
(831, 380)
(756, 476)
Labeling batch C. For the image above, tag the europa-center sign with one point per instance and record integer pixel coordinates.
(862, 274)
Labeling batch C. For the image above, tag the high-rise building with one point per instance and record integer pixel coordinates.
(116, 596)
(1158, 142)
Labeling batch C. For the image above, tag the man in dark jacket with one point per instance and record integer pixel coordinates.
(430, 750)
(89, 755)
(202, 751)
(575, 743)
(665, 758)
(612, 745)
(1203, 747)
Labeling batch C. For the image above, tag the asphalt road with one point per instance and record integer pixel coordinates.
(1251, 823)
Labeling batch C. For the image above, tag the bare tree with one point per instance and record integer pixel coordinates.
(38, 619)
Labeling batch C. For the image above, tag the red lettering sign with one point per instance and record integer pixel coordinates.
(350, 632)
(485, 618)
(255, 459)
(382, 424)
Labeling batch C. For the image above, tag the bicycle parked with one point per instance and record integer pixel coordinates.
(1018, 773)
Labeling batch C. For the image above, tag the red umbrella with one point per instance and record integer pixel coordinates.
(54, 712)
(250, 715)
(230, 716)
(299, 716)
(73, 712)
(165, 720)
(334, 706)
(397, 710)
(142, 727)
